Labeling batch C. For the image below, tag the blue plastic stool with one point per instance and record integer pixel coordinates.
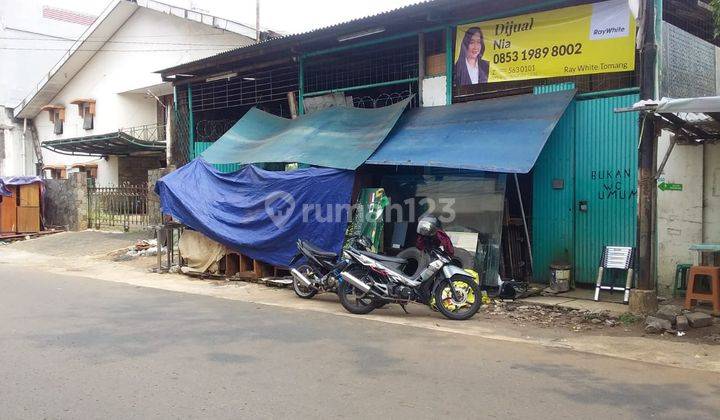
(681, 273)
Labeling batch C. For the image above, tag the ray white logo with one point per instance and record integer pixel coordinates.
(279, 205)
(610, 19)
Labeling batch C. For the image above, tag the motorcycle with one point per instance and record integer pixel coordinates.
(321, 268)
(371, 280)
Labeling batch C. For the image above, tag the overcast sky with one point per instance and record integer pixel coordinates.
(288, 16)
(294, 16)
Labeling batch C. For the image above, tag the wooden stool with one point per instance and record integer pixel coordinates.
(713, 297)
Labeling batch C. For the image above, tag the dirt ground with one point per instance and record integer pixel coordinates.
(520, 314)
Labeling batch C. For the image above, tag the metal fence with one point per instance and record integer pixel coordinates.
(151, 133)
(118, 207)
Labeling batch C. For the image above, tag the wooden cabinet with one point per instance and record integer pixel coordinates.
(8, 211)
(20, 213)
(30, 195)
(28, 219)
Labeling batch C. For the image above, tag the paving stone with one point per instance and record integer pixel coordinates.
(656, 325)
(669, 312)
(682, 323)
(699, 319)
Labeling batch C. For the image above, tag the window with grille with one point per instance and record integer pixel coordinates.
(57, 122)
(87, 117)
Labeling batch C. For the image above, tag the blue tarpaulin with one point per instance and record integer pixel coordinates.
(4, 191)
(495, 135)
(260, 213)
(20, 180)
(337, 137)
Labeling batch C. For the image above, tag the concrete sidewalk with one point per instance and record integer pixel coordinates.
(652, 350)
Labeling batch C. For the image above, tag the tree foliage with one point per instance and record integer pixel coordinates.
(715, 5)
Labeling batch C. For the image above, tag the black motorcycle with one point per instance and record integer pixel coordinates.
(371, 280)
(320, 269)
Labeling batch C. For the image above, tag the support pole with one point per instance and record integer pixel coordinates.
(292, 104)
(421, 66)
(191, 126)
(646, 172)
(257, 20)
(448, 65)
(301, 86)
(671, 146)
(525, 226)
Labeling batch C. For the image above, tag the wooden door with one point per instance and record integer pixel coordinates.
(30, 195)
(8, 211)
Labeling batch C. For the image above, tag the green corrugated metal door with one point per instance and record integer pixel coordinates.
(553, 198)
(201, 146)
(605, 180)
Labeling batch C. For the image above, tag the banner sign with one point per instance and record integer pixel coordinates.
(587, 39)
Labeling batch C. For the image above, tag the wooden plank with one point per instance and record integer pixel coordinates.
(30, 195)
(8, 212)
(232, 263)
(28, 219)
(262, 269)
(246, 263)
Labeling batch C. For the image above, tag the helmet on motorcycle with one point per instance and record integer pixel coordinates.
(363, 243)
(428, 226)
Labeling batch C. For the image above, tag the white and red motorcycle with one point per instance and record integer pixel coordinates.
(371, 280)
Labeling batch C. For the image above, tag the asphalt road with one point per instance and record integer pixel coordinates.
(72, 347)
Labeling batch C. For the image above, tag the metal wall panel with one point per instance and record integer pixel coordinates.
(201, 146)
(552, 214)
(606, 178)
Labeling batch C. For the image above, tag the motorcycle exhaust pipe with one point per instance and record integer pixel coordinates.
(356, 282)
(300, 277)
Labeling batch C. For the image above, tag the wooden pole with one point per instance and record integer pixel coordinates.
(646, 158)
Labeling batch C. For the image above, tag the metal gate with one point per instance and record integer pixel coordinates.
(123, 207)
(585, 187)
(605, 180)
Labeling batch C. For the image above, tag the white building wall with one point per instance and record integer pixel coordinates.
(711, 204)
(679, 213)
(16, 155)
(119, 67)
(107, 172)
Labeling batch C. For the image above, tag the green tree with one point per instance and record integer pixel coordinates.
(715, 5)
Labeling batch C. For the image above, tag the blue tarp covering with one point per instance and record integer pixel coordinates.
(337, 137)
(257, 212)
(495, 135)
(4, 191)
(20, 180)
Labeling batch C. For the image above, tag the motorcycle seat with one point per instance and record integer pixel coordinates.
(317, 251)
(385, 258)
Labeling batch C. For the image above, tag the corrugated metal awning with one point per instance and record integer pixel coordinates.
(495, 135)
(337, 137)
(111, 144)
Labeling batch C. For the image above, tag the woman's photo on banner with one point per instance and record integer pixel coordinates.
(470, 67)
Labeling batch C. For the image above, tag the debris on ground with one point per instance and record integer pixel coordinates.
(675, 319)
(655, 325)
(552, 316)
(281, 282)
(682, 323)
(144, 248)
(669, 312)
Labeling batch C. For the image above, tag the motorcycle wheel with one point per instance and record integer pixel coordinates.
(350, 297)
(300, 289)
(464, 304)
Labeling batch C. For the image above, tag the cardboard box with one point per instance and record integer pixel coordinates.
(435, 65)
